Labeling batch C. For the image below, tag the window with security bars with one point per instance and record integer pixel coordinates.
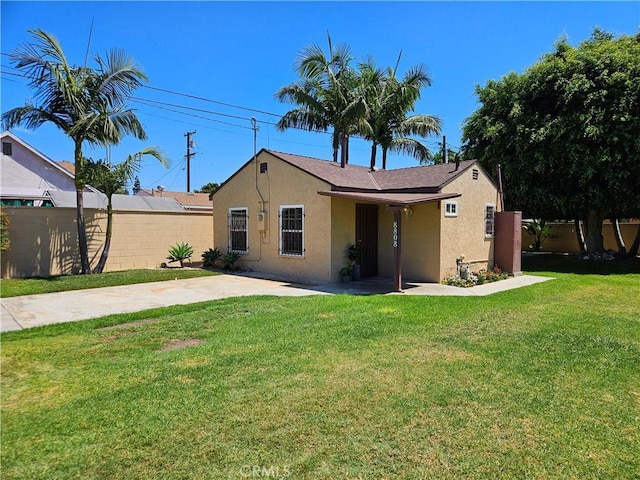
(292, 230)
(238, 232)
(489, 220)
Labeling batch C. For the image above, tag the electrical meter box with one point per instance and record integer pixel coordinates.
(262, 220)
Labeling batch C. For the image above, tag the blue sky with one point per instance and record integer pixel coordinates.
(241, 53)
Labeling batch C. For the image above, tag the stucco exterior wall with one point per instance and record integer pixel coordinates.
(343, 233)
(44, 240)
(464, 234)
(282, 184)
(420, 243)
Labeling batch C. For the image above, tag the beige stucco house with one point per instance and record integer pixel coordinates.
(296, 216)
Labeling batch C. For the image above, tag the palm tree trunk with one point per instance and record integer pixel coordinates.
(633, 251)
(384, 158)
(374, 149)
(580, 235)
(107, 241)
(80, 220)
(343, 152)
(346, 147)
(615, 224)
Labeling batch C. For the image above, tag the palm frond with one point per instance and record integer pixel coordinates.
(411, 147)
(421, 125)
(119, 77)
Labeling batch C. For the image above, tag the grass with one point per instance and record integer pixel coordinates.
(538, 382)
(29, 286)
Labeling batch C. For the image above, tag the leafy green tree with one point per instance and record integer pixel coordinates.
(87, 104)
(210, 187)
(110, 179)
(566, 133)
(326, 94)
(437, 157)
(389, 101)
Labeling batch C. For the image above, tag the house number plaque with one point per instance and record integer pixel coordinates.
(395, 234)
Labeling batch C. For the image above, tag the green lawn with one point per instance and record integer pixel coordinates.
(61, 283)
(538, 382)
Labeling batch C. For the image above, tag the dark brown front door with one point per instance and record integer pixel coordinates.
(367, 238)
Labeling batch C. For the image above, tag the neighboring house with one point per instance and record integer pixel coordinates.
(296, 216)
(27, 175)
(44, 240)
(31, 179)
(68, 166)
(192, 202)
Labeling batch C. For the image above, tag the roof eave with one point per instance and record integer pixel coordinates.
(382, 199)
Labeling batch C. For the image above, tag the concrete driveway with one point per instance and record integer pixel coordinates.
(29, 311)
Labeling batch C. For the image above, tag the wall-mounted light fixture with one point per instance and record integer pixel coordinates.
(408, 211)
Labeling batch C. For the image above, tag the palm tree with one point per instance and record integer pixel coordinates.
(87, 104)
(388, 103)
(327, 94)
(109, 179)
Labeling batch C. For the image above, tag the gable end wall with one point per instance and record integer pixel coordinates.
(464, 234)
(282, 184)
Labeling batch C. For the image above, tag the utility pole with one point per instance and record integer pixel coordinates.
(189, 155)
(445, 156)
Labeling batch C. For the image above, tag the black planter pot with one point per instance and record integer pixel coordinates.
(356, 273)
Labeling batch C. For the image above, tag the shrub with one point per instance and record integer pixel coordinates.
(229, 260)
(539, 230)
(179, 253)
(477, 278)
(346, 271)
(209, 257)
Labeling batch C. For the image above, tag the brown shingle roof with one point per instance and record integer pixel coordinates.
(422, 179)
(68, 166)
(432, 177)
(352, 176)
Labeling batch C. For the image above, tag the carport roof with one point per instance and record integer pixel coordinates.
(401, 199)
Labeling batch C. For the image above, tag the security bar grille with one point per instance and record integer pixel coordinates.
(238, 233)
(292, 231)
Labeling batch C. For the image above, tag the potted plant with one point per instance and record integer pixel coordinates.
(345, 273)
(354, 254)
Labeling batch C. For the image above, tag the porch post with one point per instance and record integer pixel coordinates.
(397, 249)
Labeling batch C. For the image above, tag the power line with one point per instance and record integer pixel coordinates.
(210, 101)
(189, 108)
(164, 106)
(150, 103)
